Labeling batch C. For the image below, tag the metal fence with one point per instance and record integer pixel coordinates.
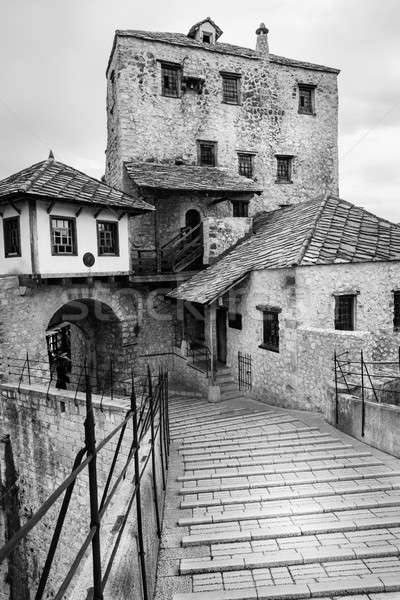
(148, 418)
(244, 371)
(376, 381)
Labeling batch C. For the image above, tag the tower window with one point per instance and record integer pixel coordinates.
(246, 167)
(170, 80)
(12, 237)
(207, 154)
(63, 235)
(230, 88)
(207, 38)
(284, 169)
(306, 99)
(344, 312)
(240, 209)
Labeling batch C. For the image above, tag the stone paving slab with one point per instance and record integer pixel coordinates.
(274, 504)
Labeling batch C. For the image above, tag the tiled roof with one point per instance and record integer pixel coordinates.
(180, 39)
(53, 179)
(316, 232)
(189, 178)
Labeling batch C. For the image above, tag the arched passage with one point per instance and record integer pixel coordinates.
(88, 330)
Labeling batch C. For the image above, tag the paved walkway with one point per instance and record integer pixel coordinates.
(266, 503)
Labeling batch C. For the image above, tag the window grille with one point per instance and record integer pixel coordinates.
(240, 209)
(396, 310)
(207, 154)
(245, 164)
(107, 238)
(230, 89)
(170, 80)
(344, 312)
(271, 330)
(12, 238)
(284, 169)
(306, 99)
(63, 235)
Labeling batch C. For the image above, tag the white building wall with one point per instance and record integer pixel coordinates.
(86, 234)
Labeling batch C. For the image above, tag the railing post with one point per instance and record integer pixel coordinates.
(167, 407)
(161, 387)
(161, 425)
(153, 464)
(138, 499)
(362, 396)
(29, 368)
(336, 390)
(90, 442)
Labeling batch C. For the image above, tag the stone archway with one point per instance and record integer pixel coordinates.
(95, 338)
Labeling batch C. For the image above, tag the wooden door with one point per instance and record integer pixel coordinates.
(221, 335)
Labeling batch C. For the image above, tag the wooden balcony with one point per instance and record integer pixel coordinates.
(182, 253)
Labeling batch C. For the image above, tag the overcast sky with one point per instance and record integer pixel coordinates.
(53, 56)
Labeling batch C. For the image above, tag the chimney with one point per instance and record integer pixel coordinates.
(262, 41)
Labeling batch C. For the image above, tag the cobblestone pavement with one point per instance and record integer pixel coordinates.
(265, 503)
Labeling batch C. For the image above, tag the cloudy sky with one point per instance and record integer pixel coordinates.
(53, 56)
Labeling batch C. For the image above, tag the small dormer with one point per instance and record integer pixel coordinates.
(205, 31)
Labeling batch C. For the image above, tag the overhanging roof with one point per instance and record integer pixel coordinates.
(317, 232)
(55, 180)
(189, 178)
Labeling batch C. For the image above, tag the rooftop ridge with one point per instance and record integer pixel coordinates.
(180, 39)
(310, 234)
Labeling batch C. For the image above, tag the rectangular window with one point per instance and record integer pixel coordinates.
(284, 169)
(240, 209)
(107, 238)
(230, 88)
(207, 38)
(12, 237)
(170, 80)
(344, 312)
(207, 154)
(396, 311)
(271, 330)
(235, 320)
(63, 235)
(306, 99)
(246, 164)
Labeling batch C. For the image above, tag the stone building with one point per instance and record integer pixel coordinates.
(313, 278)
(210, 134)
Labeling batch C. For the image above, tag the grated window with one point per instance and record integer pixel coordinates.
(230, 89)
(63, 239)
(344, 312)
(107, 238)
(170, 80)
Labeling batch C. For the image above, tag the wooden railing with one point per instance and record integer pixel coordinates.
(176, 255)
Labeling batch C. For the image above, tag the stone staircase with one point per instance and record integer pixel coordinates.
(227, 383)
(265, 505)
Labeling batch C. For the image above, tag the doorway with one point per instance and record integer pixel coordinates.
(221, 335)
(192, 218)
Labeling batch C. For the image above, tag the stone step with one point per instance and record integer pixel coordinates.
(284, 558)
(231, 395)
(227, 420)
(288, 482)
(276, 458)
(273, 512)
(236, 472)
(271, 531)
(378, 586)
(296, 434)
(221, 433)
(255, 438)
(288, 494)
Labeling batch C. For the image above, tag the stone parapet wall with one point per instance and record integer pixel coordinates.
(222, 233)
(46, 432)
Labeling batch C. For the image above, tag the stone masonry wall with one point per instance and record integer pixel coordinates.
(143, 124)
(46, 433)
(221, 234)
(300, 374)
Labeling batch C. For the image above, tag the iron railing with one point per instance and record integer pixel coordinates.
(149, 418)
(376, 381)
(244, 371)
